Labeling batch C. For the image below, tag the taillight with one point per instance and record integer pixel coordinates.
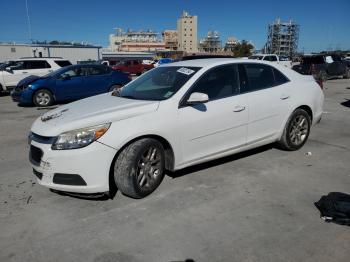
(320, 83)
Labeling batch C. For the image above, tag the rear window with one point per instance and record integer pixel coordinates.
(63, 63)
(260, 76)
(313, 60)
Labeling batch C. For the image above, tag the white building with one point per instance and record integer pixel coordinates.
(187, 33)
(73, 53)
(135, 41)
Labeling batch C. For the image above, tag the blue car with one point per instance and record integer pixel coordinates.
(68, 84)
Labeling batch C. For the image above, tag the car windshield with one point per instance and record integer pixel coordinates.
(258, 57)
(57, 72)
(159, 83)
(284, 58)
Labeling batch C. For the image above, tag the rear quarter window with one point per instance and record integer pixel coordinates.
(63, 63)
(280, 78)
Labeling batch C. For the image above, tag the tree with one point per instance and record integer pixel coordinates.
(242, 49)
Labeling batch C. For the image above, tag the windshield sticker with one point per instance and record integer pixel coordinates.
(168, 94)
(185, 71)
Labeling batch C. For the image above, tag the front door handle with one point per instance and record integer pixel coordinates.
(238, 108)
(24, 72)
(284, 97)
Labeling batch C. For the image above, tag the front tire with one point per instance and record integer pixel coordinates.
(42, 98)
(139, 168)
(296, 131)
(347, 74)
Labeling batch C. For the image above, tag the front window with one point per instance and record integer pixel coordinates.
(159, 83)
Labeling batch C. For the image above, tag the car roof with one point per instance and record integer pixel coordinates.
(42, 58)
(211, 62)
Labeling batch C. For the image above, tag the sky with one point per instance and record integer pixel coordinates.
(324, 24)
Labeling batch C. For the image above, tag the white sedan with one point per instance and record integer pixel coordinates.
(174, 116)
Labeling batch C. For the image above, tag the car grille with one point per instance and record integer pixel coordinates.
(19, 88)
(35, 155)
(40, 139)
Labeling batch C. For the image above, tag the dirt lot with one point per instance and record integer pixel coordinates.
(256, 206)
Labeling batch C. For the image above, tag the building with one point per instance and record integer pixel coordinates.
(135, 41)
(230, 44)
(282, 38)
(72, 52)
(187, 33)
(211, 43)
(170, 39)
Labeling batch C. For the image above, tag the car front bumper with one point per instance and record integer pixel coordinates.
(84, 170)
(23, 96)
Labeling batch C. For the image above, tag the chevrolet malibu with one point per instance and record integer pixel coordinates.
(174, 116)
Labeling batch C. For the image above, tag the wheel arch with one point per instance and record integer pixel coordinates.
(168, 150)
(307, 109)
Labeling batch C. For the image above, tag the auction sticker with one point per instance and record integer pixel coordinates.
(185, 71)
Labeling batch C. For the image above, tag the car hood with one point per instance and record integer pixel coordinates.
(91, 111)
(28, 80)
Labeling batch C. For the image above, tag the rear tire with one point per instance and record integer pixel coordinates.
(347, 74)
(296, 131)
(139, 168)
(42, 98)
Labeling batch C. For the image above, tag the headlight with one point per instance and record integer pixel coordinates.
(80, 137)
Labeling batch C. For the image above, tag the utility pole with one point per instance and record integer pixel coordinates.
(28, 20)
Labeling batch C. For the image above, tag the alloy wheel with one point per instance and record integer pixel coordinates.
(299, 130)
(42, 98)
(149, 167)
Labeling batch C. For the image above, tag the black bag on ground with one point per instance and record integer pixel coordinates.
(335, 207)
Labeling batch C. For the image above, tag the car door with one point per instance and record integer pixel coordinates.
(97, 80)
(268, 94)
(16, 73)
(70, 84)
(218, 125)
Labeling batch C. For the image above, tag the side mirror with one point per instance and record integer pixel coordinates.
(197, 98)
(65, 77)
(9, 69)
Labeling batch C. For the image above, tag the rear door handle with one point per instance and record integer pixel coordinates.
(284, 97)
(238, 108)
(24, 72)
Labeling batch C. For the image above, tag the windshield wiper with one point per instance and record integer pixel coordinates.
(130, 97)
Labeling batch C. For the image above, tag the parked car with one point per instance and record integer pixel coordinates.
(282, 60)
(172, 117)
(132, 67)
(67, 84)
(14, 71)
(323, 66)
(163, 61)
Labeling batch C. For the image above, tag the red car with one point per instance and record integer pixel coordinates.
(132, 67)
